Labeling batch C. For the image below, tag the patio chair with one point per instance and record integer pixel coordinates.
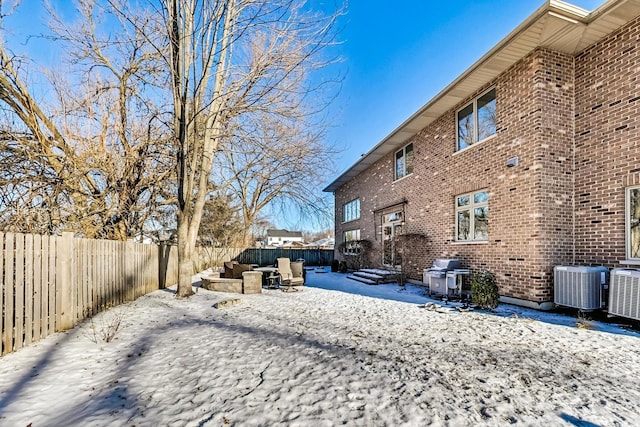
(297, 268)
(287, 276)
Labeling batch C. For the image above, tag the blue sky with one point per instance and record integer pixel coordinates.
(395, 57)
(398, 55)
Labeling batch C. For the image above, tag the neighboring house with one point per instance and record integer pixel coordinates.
(528, 160)
(326, 243)
(283, 238)
(292, 244)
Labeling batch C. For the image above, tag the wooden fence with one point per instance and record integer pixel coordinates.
(268, 256)
(51, 283)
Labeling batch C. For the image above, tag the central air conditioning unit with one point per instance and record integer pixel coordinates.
(624, 295)
(580, 287)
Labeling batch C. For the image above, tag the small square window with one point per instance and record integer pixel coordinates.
(472, 217)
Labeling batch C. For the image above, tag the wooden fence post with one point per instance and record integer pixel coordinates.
(65, 282)
(130, 273)
(162, 264)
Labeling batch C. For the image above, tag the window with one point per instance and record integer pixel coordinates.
(351, 240)
(472, 216)
(633, 223)
(477, 121)
(404, 162)
(351, 210)
(392, 217)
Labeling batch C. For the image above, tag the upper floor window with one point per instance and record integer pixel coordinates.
(472, 216)
(351, 210)
(633, 223)
(477, 121)
(404, 161)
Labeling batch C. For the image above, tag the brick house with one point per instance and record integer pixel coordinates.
(528, 160)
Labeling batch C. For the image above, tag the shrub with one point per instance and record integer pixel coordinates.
(108, 325)
(343, 267)
(484, 290)
(356, 253)
(335, 265)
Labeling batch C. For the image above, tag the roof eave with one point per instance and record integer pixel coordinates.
(567, 13)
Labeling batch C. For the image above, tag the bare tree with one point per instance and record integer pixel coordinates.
(258, 230)
(90, 156)
(230, 59)
(313, 236)
(276, 161)
(105, 146)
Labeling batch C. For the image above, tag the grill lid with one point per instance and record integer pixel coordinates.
(446, 264)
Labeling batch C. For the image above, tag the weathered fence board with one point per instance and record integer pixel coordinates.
(28, 289)
(3, 304)
(37, 286)
(44, 288)
(18, 271)
(7, 324)
(8, 293)
(51, 308)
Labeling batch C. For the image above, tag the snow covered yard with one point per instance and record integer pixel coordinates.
(325, 356)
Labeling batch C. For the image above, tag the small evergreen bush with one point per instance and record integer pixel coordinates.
(343, 267)
(335, 265)
(484, 290)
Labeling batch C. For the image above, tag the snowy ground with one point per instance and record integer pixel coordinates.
(336, 353)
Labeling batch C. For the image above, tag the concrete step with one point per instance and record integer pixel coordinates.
(382, 276)
(366, 275)
(363, 280)
(378, 271)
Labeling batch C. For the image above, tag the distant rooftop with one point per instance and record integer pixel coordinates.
(284, 233)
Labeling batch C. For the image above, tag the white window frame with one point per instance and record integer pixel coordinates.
(351, 247)
(471, 208)
(474, 113)
(627, 223)
(351, 211)
(405, 171)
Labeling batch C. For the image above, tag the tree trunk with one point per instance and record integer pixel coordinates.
(186, 249)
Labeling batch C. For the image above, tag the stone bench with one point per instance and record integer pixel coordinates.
(251, 283)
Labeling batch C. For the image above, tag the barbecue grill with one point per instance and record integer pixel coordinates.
(442, 277)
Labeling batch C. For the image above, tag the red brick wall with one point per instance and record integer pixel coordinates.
(518, 250)
(574, 123)
(607, 143)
